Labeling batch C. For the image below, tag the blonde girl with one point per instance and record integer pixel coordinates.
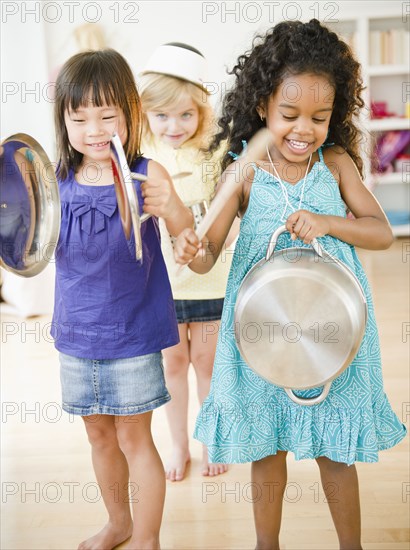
(178, 128)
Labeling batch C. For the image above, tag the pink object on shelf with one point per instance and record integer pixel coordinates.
(378, 109)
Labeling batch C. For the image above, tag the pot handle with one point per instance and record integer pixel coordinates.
(309, 400)
(274, 239)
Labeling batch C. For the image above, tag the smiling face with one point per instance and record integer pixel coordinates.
(176, 124)
(90, 129)
(298, 115)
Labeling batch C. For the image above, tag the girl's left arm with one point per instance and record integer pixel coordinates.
(369, 229)
(161, 200)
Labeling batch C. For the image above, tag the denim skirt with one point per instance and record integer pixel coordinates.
(198, 311)
(116, 386)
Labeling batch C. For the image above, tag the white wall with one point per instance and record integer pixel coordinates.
(24, 78)
(38, 36)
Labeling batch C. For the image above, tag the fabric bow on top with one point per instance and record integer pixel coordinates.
(82, 206)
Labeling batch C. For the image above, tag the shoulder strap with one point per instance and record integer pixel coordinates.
(140, 165)
(320, 153)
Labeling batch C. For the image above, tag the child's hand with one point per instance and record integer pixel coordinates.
(159, 197)
(187, 246)
(305, 225)
(161, 200)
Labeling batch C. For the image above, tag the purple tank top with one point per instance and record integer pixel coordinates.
(107, 304)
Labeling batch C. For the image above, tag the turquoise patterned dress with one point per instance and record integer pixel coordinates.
(245, 418)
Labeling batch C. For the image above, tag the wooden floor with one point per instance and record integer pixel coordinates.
(49, 496)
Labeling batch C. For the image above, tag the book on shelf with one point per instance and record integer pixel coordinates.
(389, 47)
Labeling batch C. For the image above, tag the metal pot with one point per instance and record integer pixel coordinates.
(300, 316)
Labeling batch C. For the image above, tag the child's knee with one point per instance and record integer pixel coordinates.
(132, 446)
(177, 365)
(100, 436)
(326, 465)
(203, 361)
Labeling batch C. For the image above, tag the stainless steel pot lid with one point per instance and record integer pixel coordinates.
(29, 206)
(127, 197)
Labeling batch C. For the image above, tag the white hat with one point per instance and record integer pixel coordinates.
(179, 60)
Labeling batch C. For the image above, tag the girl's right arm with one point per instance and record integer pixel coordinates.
(202, 255)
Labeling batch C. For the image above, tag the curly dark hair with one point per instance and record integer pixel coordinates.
(292, 48)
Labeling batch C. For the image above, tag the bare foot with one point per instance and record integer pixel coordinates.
(211, 468)
(152, 544)
(108, 538)
(176, 465)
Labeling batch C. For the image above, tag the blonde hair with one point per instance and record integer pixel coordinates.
(90, 36)
(159, 91)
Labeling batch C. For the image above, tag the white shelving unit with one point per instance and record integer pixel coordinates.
(384, 82)
(384, 124)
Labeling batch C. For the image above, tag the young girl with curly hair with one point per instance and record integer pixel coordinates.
(303, 83)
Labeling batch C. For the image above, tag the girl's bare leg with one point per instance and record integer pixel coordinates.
(111, 470)
(176, 363)
(341, 488)
(147, 479)
(269, 476)
(204, 337)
